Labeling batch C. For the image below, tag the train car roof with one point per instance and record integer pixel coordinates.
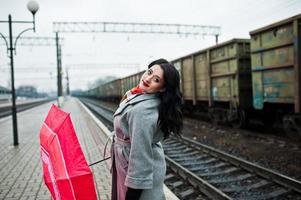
(213, 47)
(276, 24)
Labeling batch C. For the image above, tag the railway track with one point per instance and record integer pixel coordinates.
(197, 171)
(104, 113)
(6, 110)
(223, 176)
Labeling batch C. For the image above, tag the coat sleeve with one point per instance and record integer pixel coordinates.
(142, 126)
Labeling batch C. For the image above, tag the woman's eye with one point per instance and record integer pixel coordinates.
(149, 72)
(157, 80)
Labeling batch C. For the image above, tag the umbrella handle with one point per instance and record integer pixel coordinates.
(105, 149)
(99, 161)
(106, 144)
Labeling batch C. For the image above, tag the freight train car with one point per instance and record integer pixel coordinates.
(218, 80)
(129, 82)
(114, 90)
(276, 72)
(111, 90)
(241, 78)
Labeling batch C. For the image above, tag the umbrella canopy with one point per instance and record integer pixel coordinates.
(66, 172)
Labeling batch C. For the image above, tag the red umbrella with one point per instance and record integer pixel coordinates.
(66, 172)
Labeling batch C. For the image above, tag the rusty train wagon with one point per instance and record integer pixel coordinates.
(109, 91)
(92, 92)
(112, 90)
(276, 72)
(218, 80)
(129, 82)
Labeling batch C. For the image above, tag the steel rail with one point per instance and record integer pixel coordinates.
(6, 110)
(182, 146)
(196, 181)
(251, 167)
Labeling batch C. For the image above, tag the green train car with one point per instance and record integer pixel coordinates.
(114, 90)
(239, 79)
(129, 82)
(218, 79)
(276, 72)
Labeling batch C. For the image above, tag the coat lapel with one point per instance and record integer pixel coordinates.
(136, 99)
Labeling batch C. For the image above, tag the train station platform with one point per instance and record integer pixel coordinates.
(21, 168)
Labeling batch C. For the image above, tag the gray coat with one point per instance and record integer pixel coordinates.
(138, 157)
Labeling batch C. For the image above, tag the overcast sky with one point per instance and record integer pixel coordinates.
(92, 55)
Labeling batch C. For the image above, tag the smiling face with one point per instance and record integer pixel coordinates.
(152, 80)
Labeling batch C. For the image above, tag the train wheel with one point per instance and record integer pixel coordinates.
(239, 119)
(292, 127)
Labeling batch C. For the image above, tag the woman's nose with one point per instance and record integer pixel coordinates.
(148, 79)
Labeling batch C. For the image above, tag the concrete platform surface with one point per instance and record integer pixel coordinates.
(21, 167)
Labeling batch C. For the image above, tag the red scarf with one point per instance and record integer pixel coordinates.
(136, 90)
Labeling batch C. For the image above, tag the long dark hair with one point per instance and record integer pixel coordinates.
(170, 114)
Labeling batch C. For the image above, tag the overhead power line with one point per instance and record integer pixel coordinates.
(95, 66)
(36, 41)
(85, 67)
(127, 27)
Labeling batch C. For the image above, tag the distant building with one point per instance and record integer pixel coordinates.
(5, 94)
(27, 91)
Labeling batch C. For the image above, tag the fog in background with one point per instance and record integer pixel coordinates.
(89, 56)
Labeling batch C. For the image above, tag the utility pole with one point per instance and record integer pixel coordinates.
(67, 78)
(14, 109)
(33, 8)
(59, 68)
(121, 27)
(40, 41)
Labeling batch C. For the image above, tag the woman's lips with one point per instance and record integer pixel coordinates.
(145, 84)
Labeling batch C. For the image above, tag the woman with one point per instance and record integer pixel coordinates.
(147, 114)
